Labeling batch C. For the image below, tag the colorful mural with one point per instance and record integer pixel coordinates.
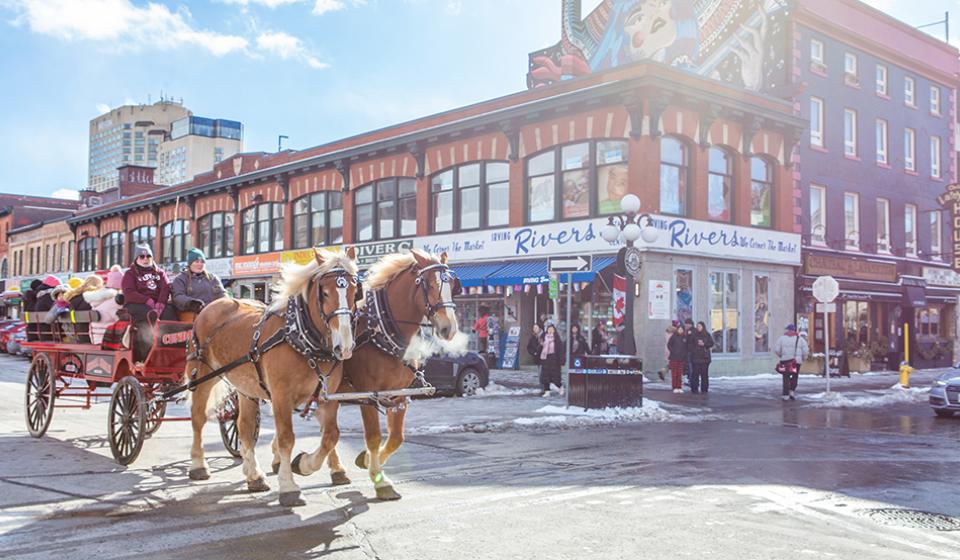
(742, 42)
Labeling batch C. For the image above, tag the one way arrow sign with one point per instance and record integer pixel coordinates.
(571, 264)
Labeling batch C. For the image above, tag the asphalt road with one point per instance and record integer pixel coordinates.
(737, 475)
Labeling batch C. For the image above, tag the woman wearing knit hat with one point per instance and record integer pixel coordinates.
(196, 286)
(146, 288)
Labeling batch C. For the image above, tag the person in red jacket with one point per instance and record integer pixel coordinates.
(146, 288)
(480, 327)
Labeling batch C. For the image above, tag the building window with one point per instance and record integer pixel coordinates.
(851, 220)
(816, 122)
(262, 228)
(816, 54)
(145, 235)
(176, 241)
(318, 220)
(881, 80)
(928, 321)
(936, 235)
(480, 193)
(935, 157)
(909, 97)
(725, 312)
(761, 193)
(761, 314)
(113, 249)
(674, 162)
(818, 218)
(386, 209)
(216, 235)
(87, 255)
(856, 320)
(562, 181)
(683, 303)
(719, 185)
(910, 229)
(63, 251)
(881, 141)
(909, 149)
(935, 100)
(31, 261)
(883, 225)
(850, 69)
(850, 132)
(70, 246)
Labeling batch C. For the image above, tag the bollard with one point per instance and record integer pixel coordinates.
(905, 371)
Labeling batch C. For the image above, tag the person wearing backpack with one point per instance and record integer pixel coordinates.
(792, 350)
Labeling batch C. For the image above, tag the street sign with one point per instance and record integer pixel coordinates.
(826, 289)
(826, 308)
(554, 288)
(571, 264)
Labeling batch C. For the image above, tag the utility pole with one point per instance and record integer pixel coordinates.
(280, 140)
(946, 25)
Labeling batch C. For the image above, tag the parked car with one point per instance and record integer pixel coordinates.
(6, 330)
(15, 340)
(459, 375)
(945, 393)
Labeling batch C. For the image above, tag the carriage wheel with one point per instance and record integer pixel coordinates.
(41, 392)
(127, 420)
(155, 411)
(229, 430)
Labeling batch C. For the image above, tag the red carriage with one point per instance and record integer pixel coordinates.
(69, 371)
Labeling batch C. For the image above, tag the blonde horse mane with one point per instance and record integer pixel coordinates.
(295, 278)
(389, 266)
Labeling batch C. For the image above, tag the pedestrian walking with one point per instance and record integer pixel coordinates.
(599, 344)
(688, 369)
(534, 346)
(480, 327)
(551, 357)
(700, 344)
(578, 343)
(792, 350)
(678, 351)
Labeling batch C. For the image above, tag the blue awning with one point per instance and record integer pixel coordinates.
(536, 272)
(471, 275)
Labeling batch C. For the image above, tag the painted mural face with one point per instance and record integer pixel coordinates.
(650, 30)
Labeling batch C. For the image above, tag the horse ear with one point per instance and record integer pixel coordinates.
(352, 253)
(319, 256)
(420, 257)
(443, 258)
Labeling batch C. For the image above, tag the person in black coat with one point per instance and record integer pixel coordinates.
(552, 352)
(598, 340)
(700, 344)
(678, 349)
(578, 342)
(533, 343)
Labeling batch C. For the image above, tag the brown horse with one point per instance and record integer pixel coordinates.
(400, 292)
(280, 353)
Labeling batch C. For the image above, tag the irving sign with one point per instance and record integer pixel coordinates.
(951, 201)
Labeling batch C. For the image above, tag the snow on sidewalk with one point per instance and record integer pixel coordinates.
(870, 399)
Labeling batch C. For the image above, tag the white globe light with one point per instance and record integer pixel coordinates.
(630, 204)
(649, 233)
(610, 233)
(631, 232)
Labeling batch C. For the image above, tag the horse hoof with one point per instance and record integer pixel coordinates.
(275, 468)
(361, 460)
(339, 478)
(258, 485)
(291, 499)
(387, 493)
(199, 474)
(295, 464)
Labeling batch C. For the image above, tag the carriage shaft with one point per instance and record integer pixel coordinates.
(381, 394)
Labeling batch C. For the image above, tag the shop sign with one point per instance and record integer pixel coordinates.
(846, 267)
(264, 264)
(369, 253)
(941, 277)
(222, 268)
(303, 256)
(658, 307)
(554, 288)
(677, 235)
(951, 201)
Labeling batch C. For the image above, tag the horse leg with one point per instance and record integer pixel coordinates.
(275, 465)
(246, 428)
(395, 418)
(283, 418)
(306, 464)
(198, 419)
(338, 474)
(372, 435)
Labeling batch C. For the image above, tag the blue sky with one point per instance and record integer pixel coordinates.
(314, 70)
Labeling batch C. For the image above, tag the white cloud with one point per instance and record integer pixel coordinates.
(288, 47)
(68, 194)
(454, 7)
(102, 108)
(321, 7)
(268, 3)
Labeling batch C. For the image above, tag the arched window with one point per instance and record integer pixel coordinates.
(262, 228)
(145, 235)
(175, 241)
(216, 235)
(386, 209)
(4, 268)
(87, 257)
(761, 193)
(63, 258)
(479, 191)
(113, 249)
(318, 220)
(674, 173)
(720, 186)
(70, 247)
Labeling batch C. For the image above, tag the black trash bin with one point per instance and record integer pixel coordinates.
(606, 380)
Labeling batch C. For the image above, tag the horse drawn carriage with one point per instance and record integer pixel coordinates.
(69, 371)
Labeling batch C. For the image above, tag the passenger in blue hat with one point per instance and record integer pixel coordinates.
(195, 287)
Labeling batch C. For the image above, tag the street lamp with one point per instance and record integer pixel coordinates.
(631, 226)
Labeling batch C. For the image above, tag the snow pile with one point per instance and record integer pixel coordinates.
(895, 395)
(495, 390)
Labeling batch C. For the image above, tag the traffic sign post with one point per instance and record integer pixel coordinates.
(826, 289)
(575, 263)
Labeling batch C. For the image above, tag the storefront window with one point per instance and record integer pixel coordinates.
(725, 312)
(216, 235)
(761, 193)
(112, 249)
(571, 174)
(856, 321)
(928, 321)
(719, 185)
(176, 241)
(673, 176)
(683, 304)
(386, 209)
(761, 314)
(318, 220)
(86, 260)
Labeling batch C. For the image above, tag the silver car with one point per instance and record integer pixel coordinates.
(945, 393)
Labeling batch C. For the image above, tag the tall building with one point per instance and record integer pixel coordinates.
(129, 135)
(194, 146)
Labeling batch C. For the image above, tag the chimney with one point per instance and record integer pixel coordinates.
(135, 180)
